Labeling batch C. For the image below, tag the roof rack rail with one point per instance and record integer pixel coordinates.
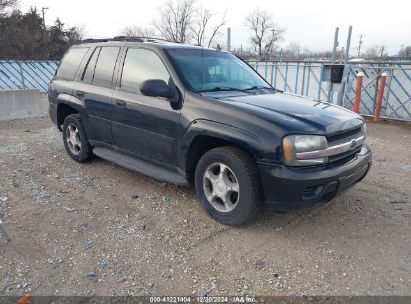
(127, 38)
(90, 40)
(142, 38)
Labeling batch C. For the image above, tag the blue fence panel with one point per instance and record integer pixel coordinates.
(27, 74)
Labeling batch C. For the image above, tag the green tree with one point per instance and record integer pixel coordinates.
(23, 36)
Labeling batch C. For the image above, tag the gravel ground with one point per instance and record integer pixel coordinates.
(82, 230)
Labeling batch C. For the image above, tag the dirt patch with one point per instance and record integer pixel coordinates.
(101, 229)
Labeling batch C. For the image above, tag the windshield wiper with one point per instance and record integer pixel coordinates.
(217, 89)
(257, 88)
(246, 90)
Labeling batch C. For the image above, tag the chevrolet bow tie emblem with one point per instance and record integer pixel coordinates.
(353, 144)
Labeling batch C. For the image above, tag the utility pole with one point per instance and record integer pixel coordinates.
(228, 39)
(335, 45)
(347, 48)
(334, 54)
(43, 12)
(341, 92)
(359, 46)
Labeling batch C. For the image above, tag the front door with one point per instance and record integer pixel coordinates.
(143, 125)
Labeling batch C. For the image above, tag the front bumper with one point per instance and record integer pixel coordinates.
(287, 189)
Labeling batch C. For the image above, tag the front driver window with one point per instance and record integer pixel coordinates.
(141, 65)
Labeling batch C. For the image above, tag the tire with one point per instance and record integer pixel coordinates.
(218, 175)
(77, 145)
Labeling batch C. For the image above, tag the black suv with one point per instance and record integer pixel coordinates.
(191, 115)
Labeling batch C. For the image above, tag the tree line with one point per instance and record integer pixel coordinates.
(25, 36)
(186, 21)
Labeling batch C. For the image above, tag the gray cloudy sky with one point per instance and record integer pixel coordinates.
(310, 23)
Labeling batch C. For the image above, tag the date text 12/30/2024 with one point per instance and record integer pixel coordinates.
(205, 299)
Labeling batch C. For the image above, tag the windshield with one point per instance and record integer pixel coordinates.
(208, 70)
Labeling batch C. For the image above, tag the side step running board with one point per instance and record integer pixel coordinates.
(141, 166)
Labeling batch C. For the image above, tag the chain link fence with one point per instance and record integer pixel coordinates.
(306, 79)
(301, 78)
(397, 94)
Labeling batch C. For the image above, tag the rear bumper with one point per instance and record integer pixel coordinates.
(287, 189)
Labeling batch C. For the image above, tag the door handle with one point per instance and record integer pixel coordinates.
(120, 103)
(80, 94)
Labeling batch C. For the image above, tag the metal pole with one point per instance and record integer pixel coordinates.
(345, 73)
(303, 84)
(347, 47)
(380, 96)
(286, 77)
(308, 80)
(228, 39)
(388, 91)
(335, 45)
(330, 84)
(320, 83)
(272, 73)
(296, 78)
(358, 91)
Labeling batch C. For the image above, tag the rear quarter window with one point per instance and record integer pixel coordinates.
(70, 63)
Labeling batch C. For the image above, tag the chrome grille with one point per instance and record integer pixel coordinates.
(344, 137)
(341, 148)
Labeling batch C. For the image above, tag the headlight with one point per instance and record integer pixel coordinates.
(294, 144)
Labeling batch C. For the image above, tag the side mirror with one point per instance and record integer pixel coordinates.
(156, 88)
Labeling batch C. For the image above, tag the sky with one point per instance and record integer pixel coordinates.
(310, 23)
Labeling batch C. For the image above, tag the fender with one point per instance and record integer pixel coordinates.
(70, 100)
(234, 135)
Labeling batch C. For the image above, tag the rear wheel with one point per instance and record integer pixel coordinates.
(75, 139)
(227, 184)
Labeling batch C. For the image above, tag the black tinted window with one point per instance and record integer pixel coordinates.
(70, 63)
(140, 65)
(89, 71)
(106, 62)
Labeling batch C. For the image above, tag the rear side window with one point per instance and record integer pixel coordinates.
(141, 65)
(103, 73)
(91, 65)
(70, 63)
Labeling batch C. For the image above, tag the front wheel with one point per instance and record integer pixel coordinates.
(228, 185)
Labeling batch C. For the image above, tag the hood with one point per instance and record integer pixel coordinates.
(322, 116)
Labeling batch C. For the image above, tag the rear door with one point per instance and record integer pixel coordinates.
(144, 125)
(95, 88)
